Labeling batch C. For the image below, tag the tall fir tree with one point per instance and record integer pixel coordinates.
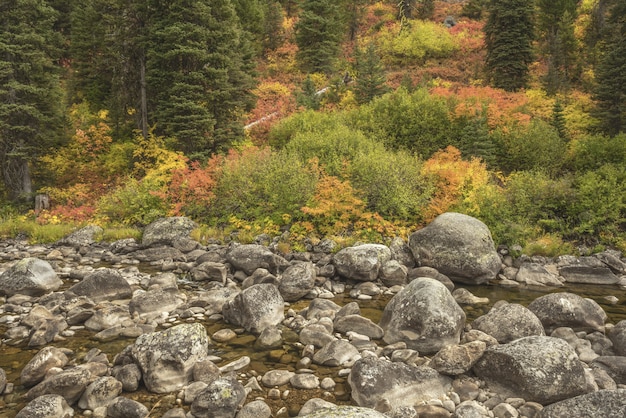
(319, 32)
(30, 96)
(610, 90)
(508, 39)
(199, 74)
(370, 75)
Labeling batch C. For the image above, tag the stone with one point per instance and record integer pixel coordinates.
(319, 308)
(601, 403)
(102, 285)
(255, 409)
(166, 358)
(129, 375)
(249, 257)
(122, 407)
(166, 231)
(220, 399)
(270, 337)
(83, 237)
(588, 270)
(458, 246)
(159, 255)
(538, 368)
(465, 297)
(3, 381)
(425, 271)
(46, 406)
(535, 274)
(153, 303)
(344, 412)
(255, 308)
(509, 321)
(617, 335)
(316, 335)
(457, 359)
(614, 366)
(297, 281)
(306, 381)
(313, 405)
(374, 380)
(100, 393)
(45, 359)
(471, 409)
(29, 276)
(107, 317)
(205, 371)
(362, 262)
(565, 309)
(393, 273)
(336, 353)
(424, 315)
(401, 252)
(505, 410)
(276, 378)
(358, 324)
(68, 383)
(209, 271)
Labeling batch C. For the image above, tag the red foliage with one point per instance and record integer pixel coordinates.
(192, 187)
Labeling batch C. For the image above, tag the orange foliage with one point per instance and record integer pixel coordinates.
(192, 187)
(455, 180)
(470, 36)
(274, 101)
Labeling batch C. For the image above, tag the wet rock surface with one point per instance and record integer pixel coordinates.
(125, 328)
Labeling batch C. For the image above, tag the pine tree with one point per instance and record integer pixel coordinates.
(308, 95)
(30, 95)
(273, 35)
(610, 91)
(508, 38)
(318, 35)
(199, 74)
(558, 119)
(370, 75)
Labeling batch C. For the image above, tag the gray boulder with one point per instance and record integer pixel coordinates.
(509, 321)
(100, 393)
(614, 366)
(29, 276)
(401, 252)
(36, 369)
(457, 359)
(589, 270)
(255, 409)
(122, 407)
(539, 369)
(602, 403)
(159, 255)
(424, 315)
(210, 271)
(358, 324)
(374, 381)
(46, 406)
(458, 246)
(344, 411)
(154, 302)
(393, 273)
(336, 353)
(612, 258)
(166, 231)
(3, 380)
(166, 358)
(249, 257)
(535, 274)
(297, 281)
(255, 308)
(107, 317)
(220, 399)
(102, 284)
(618, 337)
(83, 237)
(129, 375)
(362, 262)
(568, 310)
(70, 384)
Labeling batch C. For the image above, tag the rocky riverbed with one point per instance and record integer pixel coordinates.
(167, 327)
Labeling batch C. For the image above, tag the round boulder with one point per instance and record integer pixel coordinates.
(255, 308)
(362, 262)
(46, 406)
(458, 246)
(424, 315)
(601, 403)
(565, 309)
(220, 399)
(29, 276)
(508, 322)
(102, 284)
(344, 412)
(166, 231)
(297, 281)
(618, 337)
(249, 257)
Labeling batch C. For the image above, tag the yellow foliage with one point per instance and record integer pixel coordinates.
(154, 162)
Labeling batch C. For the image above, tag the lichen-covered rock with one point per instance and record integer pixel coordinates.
(459, 246)
(601, 403)
(122, 407)
(102, 284)
(538, 368)
(297, 281)
(362, 262)
(358, 324)
(154, 302)
(535, 274)
(589, 270)
(336, 353)
(568, 310)
(46, 406)
(166, 358)
(457, 359)
(29, 276)
(100, 393)
(509, 321)
(220, 399)
(618, 337)
(166, 231)
(249, 257)
(344, 411)
(614, 366)
(255, 308)
(424, 315)
(374, 380)
(69, 383)
(36, 369)
(210, 271)
(84, 236)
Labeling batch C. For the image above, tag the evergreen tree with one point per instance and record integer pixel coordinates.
(508, 38)
(308, 96)
(199, 74)
(30, 95)
(318, 35)
(370, 75)
(273, 35)
(558, 119)
(610, 91)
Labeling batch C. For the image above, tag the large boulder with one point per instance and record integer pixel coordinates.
(70, 384)
(297, 281)
(538, 368)
(535, 274)
(255, 308)
(617, 334)
(565, 309)
(82, 237)
(249, 257)
(220, 399)
(102, 284)
(424, 315)
(29, 276)
(46, 406)
(375, 381)
(614, 366)
(166, 358)
(602, 403)
(154, 303)
(362, 262)
(166, 231)
(589, 270)
(344, 411)
(36, 369)
(458, 246)
(122, 407)
(100, 393)
(509, 321)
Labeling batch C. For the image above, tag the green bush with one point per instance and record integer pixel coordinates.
(593, 151)
(391, 184)
(416, 122)
(299, 123)
(415, 43)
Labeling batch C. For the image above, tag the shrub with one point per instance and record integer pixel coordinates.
(593, 151)
(303, 122)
